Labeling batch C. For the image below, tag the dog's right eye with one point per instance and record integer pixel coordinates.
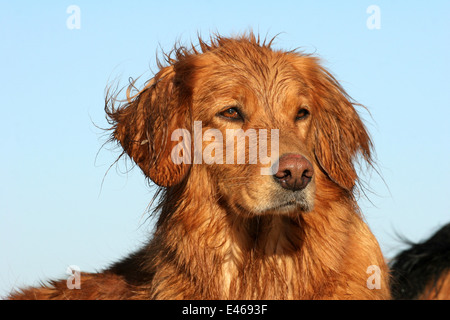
(302, 114)
(231, 114)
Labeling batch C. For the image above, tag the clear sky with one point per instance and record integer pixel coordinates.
(60, 207)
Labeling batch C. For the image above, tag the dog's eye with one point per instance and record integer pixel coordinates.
(231, 113)
(302, 114)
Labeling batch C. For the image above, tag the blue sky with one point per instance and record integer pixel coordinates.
(58, 204)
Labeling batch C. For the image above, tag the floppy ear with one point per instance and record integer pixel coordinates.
(144, 126)
(339, 132)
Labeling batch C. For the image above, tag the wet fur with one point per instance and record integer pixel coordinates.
(221, 232)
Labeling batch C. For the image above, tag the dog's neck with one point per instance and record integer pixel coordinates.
(227, 255)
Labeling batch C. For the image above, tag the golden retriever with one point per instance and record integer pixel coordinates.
(254, 152)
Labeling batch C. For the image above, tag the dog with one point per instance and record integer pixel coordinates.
(422, 271)
(230, 225)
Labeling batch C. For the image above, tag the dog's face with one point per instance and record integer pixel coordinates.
(260, 106)
(263, 127)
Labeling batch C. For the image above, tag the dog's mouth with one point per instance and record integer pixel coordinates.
(288, 207)
(293, 206)
(272, 201)
(297, 203)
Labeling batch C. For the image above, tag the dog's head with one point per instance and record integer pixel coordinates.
(263, 127)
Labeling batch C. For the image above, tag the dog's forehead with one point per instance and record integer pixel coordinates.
(250, 71)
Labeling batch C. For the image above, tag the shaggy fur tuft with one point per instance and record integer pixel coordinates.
(423, 270)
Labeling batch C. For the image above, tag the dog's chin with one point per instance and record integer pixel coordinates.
(287, 203)
(288, 208)
(280, 202)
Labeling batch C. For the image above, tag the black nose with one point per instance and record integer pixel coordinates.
(294, 172)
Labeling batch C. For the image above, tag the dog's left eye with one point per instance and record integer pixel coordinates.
(231, 113)
(302, 114)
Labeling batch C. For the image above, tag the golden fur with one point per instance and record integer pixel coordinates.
(221, 231)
